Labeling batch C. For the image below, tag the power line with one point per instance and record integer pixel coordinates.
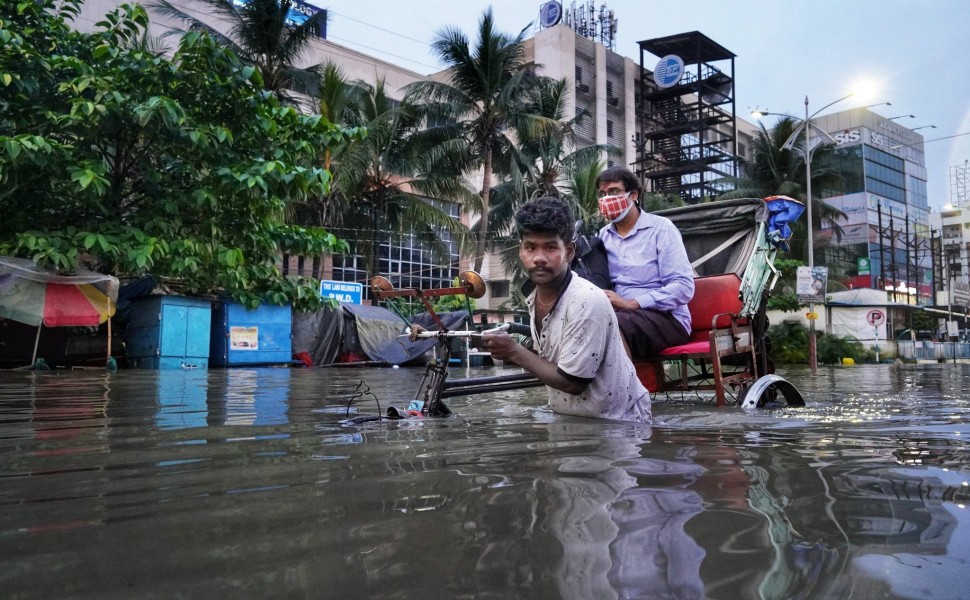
(946, 137)
(379, 28)
(353, 43)
(423, 43)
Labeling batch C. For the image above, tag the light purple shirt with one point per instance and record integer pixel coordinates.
(650, 265)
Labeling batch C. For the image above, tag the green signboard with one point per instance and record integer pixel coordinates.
(863, 264)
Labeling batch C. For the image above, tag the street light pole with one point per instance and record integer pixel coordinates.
(812, 343)
(807, 152)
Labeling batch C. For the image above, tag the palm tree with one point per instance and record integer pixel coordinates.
(774, 171)
(481, 100)
(260, 35)
(544, 161)
(390, 181)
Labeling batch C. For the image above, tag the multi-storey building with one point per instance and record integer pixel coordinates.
(878, 182)
(950, 230)
(951, 227)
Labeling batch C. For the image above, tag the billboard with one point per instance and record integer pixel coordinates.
(300, 12)
(811, 283)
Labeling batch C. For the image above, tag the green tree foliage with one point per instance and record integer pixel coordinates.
(544, 158)
(259, 34)
(783, 296)
(483, 98)
(651, 202)
(789, 343)
(131, 163)
(387, 183)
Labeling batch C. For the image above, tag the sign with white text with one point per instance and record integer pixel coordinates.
(960, 294)
(346, 292)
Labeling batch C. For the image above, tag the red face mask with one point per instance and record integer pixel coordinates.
(614, 208)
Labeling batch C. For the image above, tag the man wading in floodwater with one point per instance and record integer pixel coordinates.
(580, 352)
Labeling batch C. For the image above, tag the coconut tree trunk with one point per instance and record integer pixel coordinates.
(483, 222)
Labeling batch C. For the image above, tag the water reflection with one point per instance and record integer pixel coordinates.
(243, 481)
(584, 515)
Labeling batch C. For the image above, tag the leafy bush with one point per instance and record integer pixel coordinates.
(126, 162)
(789, 343)
(833, 348)
(781, 299)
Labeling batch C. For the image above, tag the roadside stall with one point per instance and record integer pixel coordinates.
(42, 297)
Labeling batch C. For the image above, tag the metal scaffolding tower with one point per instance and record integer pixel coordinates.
(959, 191)
(687, 134)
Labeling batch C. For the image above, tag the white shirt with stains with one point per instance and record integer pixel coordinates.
(580, 335)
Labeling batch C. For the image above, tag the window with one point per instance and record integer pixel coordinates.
(402, 258)
(500, 289)
(579, 75)
(847, 167)
(917, 192)
(609, 128)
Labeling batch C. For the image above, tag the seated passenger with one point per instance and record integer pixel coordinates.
(651, 274)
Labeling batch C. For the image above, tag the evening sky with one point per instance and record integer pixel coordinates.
(914, 54)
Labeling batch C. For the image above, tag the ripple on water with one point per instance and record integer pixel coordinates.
(148, 484)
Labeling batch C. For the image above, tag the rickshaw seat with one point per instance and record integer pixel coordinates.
(718, 332)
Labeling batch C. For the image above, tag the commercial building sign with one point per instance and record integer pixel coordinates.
(300, 12)
(847, 136)
(889, 208)
(881, 140)
(857, 233)
(550, 13)
(960, 294)
(669, 71)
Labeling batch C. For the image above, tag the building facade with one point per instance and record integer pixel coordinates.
(876, 177)
(950, 228)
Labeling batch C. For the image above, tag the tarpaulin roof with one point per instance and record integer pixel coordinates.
(378, 331)
(719, 236)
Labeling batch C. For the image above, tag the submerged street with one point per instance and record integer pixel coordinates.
(194, 483)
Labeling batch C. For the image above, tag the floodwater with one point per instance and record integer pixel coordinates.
(243, 483)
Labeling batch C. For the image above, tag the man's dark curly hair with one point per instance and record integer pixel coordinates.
(546, 215)
(624, 176)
